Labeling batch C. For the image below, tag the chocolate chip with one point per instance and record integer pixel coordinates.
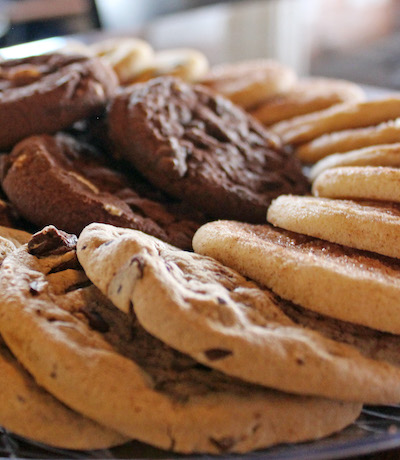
(223, 444)
(138, 260)
(131, 309)
(214, 354)
(96, 321)
(51, 241)
(221, 301)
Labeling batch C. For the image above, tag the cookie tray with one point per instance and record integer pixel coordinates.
(377, 429)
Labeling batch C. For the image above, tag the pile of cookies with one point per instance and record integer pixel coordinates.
(112, 329)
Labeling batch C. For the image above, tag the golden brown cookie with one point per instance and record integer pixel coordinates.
(306, 96)
(387, 132)
(339, 117)
(128, 56)
(246, 83)
(377, 155)
(337, 281)
(371, 226)
(27, 409)
(185, 63)
(202, 308)
(105, 365)
(30, 411)
(379, 183)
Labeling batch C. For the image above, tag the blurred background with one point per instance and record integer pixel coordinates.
(353, 39)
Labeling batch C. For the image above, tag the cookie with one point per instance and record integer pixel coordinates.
(84, 350)
(337, 281)
(350, 139)
(128, 56)
(15, 236)
(306, 96)
(305, 128)
(47, 93)
(371, 226)
(246, 83)
(360, 183)
(58, 180)
(6, 247)
(31, 412)
(379, 155)
(371, 343)
(202, 149)
(201, 308)
(185, 63)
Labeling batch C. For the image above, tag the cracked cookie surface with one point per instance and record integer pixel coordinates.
(201, 148)
(58, 180)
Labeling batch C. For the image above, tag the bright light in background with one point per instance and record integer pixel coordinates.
(46, 45)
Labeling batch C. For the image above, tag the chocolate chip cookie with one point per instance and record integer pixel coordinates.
(201, 148)
(92, 357)
(202, 308)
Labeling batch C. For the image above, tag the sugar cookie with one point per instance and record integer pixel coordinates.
(387, 132)
(369, 226)
(304, 128)
(246, 83)
(306, 96)
(379, 155)
(334, 280)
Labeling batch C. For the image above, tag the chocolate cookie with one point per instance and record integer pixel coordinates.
(58, 180)
(200, 147)
(43, 94)
(8, 215)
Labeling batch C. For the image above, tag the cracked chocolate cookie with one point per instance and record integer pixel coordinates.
(91, 356)
(60, 181)
(201, 148)
(47, 93)
(202, 308)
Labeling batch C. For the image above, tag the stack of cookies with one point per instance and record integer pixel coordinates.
(111, 328)
(364, 133)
